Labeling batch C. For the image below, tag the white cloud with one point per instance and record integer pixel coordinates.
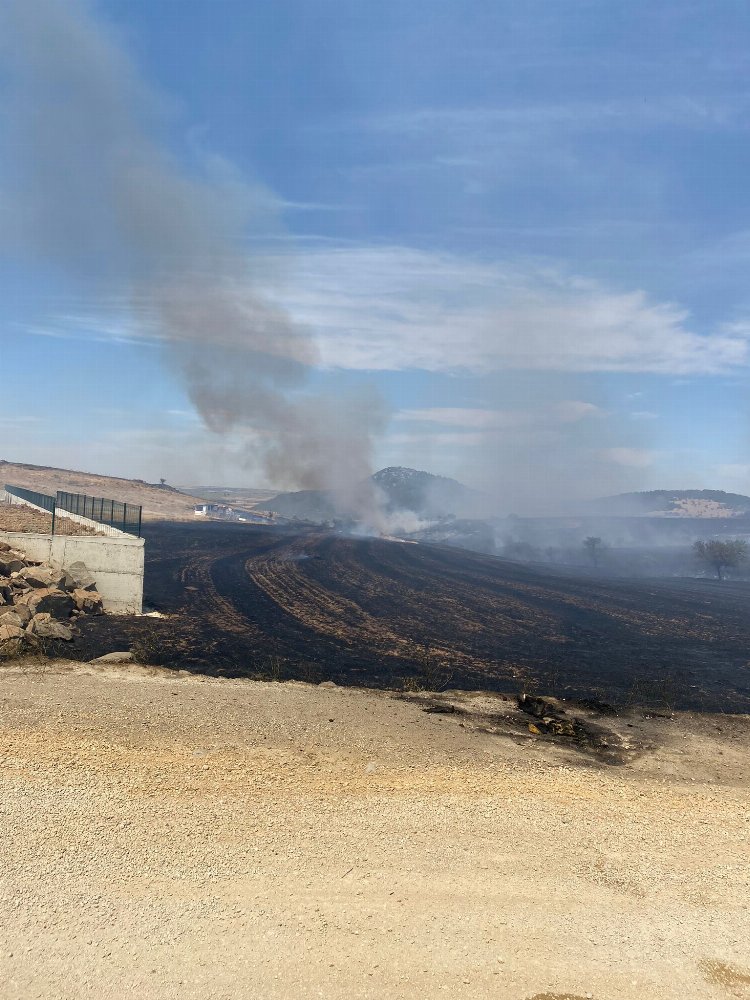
(396, 308)
(567, 411)
(581, 116)
(570, 411)
(393, 308)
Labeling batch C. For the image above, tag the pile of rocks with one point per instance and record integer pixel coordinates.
(39, 602)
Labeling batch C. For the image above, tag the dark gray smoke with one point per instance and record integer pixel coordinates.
(96, 193)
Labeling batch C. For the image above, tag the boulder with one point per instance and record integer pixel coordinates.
(124, 657)
(9, 563)
(80, 574)
(12, 618)
(12, 647)
(40, 576)
(88, 601)
(10, 632)
(4, 547)
(16, 611)
(50, 601)
(45, 626)
(65, 581)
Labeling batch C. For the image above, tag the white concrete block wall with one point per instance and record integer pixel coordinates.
(115, 563)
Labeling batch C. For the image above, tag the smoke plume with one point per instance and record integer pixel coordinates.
(96, 193)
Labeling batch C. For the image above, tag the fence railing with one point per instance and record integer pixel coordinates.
(125, 517)
(31, 496)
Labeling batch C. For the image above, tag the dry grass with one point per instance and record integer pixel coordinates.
(157, 503)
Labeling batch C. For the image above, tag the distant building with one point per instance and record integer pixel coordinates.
(226, 513)
(212, 510)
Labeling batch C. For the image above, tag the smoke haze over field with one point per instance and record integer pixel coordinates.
(96, 193)
(490, 250)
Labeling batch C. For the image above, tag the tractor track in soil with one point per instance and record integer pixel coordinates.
(241, 601)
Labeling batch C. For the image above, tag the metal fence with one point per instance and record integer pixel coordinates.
(31, 496)
(122, 516)
(41, 500)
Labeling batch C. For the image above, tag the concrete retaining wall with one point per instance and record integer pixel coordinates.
(115, 563)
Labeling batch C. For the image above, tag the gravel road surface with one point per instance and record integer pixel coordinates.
(169, 836)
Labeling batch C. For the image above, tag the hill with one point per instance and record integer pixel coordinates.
(675, 503)
(159, 501)
(427, 495)
(400, 489)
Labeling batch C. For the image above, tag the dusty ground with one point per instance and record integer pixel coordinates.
(169, 836)
(14, 517)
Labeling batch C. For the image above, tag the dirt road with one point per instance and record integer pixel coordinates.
(169, 836)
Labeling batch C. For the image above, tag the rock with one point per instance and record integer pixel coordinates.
(561, 727)
(50, 601)
(80, 573)
(12, 647)
(124, 657)
(12, 618)
(8, 632)
(536, 706)
(16, 611)
(4, 547)
(46, 627)
(88, 601)
(39, 576)
(10, 564)
(66, 581)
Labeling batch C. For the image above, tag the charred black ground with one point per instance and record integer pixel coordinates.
(248, 601)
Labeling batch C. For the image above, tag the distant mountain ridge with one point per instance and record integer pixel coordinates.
(402, 489)
(675, 503)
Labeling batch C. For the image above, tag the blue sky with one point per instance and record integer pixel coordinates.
(525, 228)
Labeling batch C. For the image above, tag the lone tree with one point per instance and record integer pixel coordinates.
(721, 555)
(593, 546)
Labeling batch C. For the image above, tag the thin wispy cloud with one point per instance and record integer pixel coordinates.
(566, 411)
(647, 112)
(398, 309)
(395, 308)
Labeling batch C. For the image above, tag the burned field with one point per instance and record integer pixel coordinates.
(242, 601)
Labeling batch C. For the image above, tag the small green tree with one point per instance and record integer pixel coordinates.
(721, 556)
(593, 546)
